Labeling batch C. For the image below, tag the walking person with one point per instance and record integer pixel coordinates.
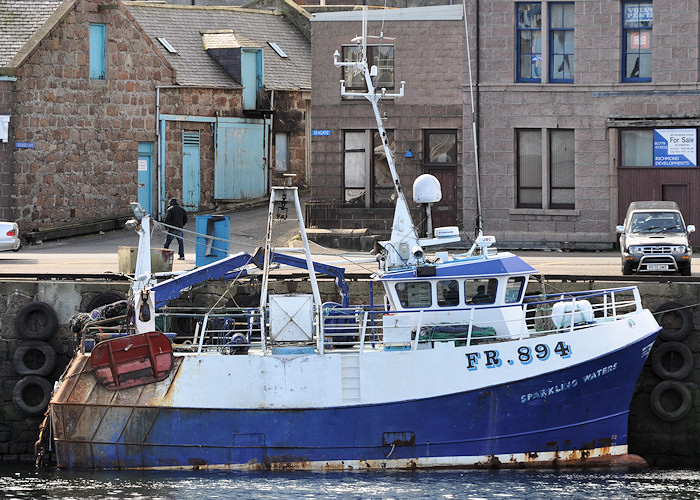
(175, 216)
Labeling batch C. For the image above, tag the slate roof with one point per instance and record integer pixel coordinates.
(185, 26)
(19, 20)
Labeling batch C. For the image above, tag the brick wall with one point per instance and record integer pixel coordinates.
(85, 132)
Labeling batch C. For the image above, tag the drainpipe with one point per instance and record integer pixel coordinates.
(269, 142)
(161, 166)
(158, 157)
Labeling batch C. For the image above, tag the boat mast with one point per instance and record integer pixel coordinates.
(404, 236)
(479, 221)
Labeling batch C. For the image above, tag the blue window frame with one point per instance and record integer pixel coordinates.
(97, 51)
(529, 42)
(637, 20)
(561, 42)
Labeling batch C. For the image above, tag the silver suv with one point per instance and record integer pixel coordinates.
(654, 238)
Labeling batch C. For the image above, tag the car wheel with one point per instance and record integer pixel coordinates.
(626, 270)
(685, 271)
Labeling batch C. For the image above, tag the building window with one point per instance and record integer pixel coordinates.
(367, 179)
(561, 169)
(281, 151)
(440, 148)
(529, 42)
(381, 56)
(561, 42)
(97, 51)
(558, 179)
(529, 168)
(636, 43)
(637, 148)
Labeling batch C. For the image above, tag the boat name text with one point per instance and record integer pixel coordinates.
(565, 386)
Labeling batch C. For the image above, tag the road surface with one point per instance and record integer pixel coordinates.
(98, 253)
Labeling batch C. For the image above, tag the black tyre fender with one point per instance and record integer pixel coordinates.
(32, 394)
(675, 319)
(34, 357)
(36, 321)
(102, 299)
(657, 394)
(674, 349)
(183, 326)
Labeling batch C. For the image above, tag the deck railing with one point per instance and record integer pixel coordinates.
(237, 330)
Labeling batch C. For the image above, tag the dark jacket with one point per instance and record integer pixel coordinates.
(175, 215)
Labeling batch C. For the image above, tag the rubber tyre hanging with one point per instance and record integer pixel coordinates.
(34, 357)
(102, 299)
(36, 321)
(675, 319)
(661, 391)
(680, 357)
(32, 394)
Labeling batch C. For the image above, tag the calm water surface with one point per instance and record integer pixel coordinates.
(26, 483)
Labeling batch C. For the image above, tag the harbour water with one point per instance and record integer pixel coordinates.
(23, 482)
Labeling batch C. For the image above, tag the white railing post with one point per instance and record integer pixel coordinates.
(414, 345)
(470, 327)
(363, 330)
(202, 333)
(573, 313)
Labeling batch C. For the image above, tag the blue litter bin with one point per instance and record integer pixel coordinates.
(211, 229)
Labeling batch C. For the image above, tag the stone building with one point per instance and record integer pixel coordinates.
(581, 108)
(107, 102)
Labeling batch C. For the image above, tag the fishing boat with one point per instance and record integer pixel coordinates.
(451, 364)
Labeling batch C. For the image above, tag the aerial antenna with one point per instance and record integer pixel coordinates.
(479, 222)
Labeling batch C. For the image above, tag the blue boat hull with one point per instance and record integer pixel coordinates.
(561, 417)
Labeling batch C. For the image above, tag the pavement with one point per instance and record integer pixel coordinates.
(97, 254)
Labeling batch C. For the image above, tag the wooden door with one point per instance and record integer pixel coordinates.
(444, 213)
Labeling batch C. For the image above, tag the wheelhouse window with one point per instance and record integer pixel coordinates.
(637, 21)
(381, 56)
(546, 183)
(367, 178)
(480, 291)
(440, 147)
(529, 41)
(414, 294)
(514, 289)
(447, 293)
(561, 42)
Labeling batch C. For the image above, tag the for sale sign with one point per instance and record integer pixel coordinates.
(675, 147)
